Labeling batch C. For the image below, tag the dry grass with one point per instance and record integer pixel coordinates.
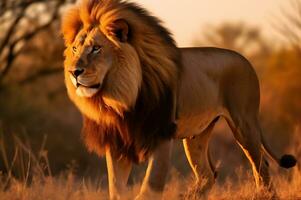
(35, 182)
(67, 187)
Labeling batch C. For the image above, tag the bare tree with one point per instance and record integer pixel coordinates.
(240, 37)
(21, 20)
(289, 24)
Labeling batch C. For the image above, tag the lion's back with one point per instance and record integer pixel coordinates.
(212, 77)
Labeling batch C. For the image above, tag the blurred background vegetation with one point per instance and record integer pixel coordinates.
(38, 123)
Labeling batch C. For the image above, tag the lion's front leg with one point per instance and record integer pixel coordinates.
(156, 173)
(118, 174)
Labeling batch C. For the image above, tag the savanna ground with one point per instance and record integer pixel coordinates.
(37, 182)
(42, 156)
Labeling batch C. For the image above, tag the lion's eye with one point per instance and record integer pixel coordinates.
(74, 49)
(96, 49)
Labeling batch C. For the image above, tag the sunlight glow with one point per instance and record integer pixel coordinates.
(186, 19)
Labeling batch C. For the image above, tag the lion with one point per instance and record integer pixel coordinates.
(137, 92)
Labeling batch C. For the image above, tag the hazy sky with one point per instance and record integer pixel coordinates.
(187, 18)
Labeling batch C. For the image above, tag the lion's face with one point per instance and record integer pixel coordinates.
(101, 65)
(88, 60)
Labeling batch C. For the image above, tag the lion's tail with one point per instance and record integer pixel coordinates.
(285, 161)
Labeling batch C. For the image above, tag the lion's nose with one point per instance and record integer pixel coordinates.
(77, 72)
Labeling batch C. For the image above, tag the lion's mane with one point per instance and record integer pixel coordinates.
(135, 132)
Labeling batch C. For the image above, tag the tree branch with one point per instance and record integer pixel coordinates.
(11, 47)
(11, 29)
(22, 4)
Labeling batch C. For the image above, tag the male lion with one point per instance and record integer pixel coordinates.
(137, 92)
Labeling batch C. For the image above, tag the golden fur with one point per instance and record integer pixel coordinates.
(141, 81)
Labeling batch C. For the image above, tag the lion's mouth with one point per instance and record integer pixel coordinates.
(84, 89)
(95, 86)
(87, 91)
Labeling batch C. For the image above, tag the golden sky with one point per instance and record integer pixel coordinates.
(187, 18)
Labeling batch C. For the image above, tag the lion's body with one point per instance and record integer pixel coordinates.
(138, 91)
(213, 83)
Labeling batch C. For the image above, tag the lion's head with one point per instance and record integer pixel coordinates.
(121, 71)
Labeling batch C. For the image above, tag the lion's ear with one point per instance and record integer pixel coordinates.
(119, 29)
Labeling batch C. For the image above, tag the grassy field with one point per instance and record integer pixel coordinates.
(235, 181)
(66, 186)
(36, 182)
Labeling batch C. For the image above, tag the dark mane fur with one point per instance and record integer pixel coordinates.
(136, 133)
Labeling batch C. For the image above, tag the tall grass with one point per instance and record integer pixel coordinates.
(36, 182)
(68, 187)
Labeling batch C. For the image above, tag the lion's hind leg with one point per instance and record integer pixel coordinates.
(246, 131)
(196, 150)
